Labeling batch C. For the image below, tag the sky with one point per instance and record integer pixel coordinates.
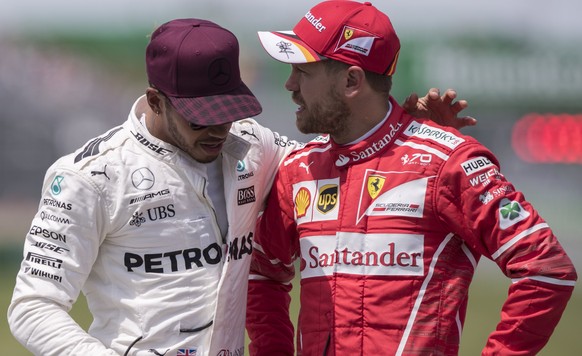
(556, 20)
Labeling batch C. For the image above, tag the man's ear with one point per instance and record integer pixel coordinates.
(155, 100)
(356, 78)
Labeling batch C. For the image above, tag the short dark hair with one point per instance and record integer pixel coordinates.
(379, 82)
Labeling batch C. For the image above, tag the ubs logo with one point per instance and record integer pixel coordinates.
(153, 214)
(143, 178)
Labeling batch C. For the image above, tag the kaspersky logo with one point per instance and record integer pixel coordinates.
(510, 213)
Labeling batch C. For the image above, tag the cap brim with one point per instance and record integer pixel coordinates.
(218, 109)
(286, 47)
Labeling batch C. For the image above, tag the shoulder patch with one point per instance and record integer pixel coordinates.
(438, 135)
(92, 147)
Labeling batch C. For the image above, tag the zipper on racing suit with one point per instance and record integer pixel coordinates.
(222, 240)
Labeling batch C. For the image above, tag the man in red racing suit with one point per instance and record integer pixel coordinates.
(389, 232)
(388, 214)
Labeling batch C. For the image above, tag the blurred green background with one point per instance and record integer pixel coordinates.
(69, 71)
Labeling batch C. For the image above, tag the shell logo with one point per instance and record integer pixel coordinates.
(302, 202)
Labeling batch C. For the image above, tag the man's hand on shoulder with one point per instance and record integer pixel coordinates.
(440, 109)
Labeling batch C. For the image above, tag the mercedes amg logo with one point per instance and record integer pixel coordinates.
(143, 178)
(219, 72)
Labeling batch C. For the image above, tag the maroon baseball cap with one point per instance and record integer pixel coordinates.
(195, 64)
(348, 31)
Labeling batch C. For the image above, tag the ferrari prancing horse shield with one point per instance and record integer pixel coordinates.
(375, 184)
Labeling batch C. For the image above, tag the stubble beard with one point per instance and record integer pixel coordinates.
(329, 116)
(190, 148)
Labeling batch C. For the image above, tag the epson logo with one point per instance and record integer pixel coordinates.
(47, 234)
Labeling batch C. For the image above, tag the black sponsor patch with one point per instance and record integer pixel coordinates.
(246, 195)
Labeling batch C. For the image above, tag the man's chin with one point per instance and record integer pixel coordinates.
(302, 127)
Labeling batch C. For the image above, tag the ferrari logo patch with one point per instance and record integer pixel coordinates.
(348, 33)
(375, 184)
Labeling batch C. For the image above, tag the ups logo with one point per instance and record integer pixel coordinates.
(327, 199)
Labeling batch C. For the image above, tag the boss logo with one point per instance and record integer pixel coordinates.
(246, 195)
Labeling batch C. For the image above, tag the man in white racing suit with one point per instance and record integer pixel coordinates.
(133, 218)
(153, 221)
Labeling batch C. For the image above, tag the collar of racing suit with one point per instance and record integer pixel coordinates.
(234, 145)
(374, 143)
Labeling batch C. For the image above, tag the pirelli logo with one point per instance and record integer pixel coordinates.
(44, 260)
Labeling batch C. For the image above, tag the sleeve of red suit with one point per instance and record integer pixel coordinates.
(497, 221)
(272, 269)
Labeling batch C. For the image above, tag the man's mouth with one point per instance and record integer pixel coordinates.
(213, 146)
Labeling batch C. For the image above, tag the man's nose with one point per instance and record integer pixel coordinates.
(219, 130)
